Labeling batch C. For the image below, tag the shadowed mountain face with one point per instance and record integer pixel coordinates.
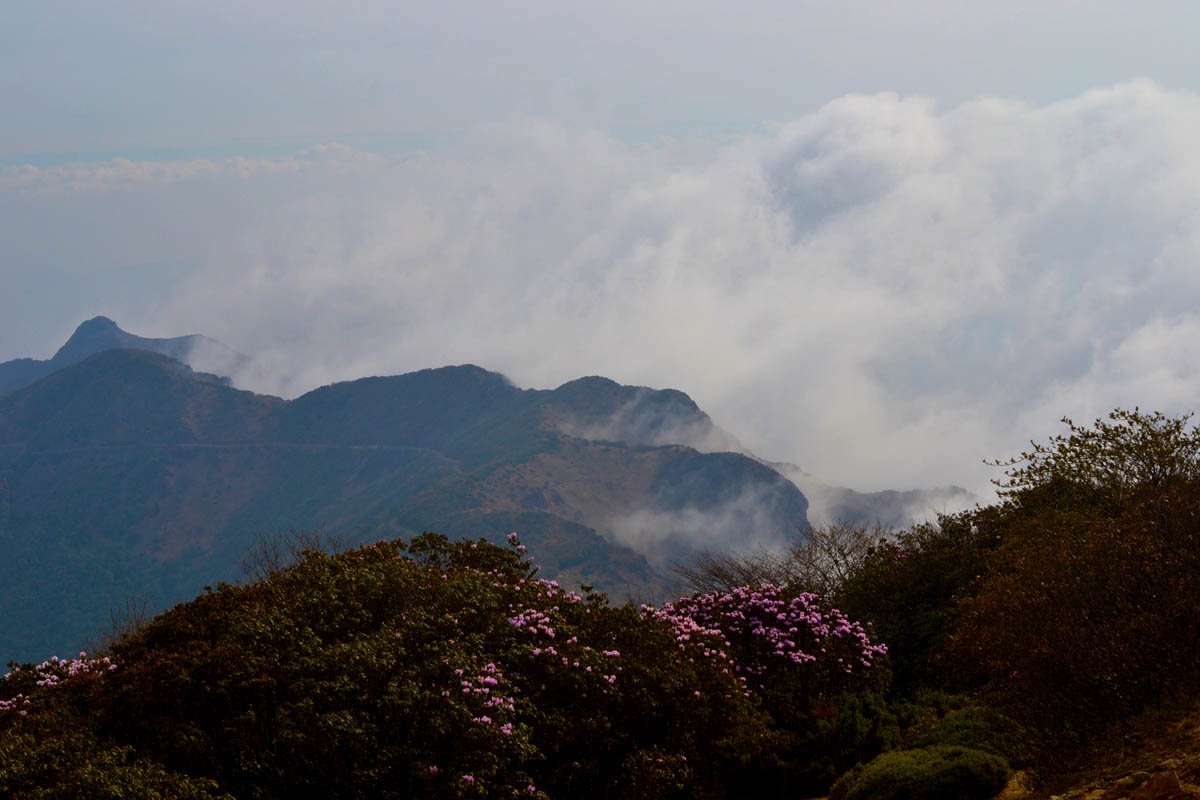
(101, 333)
(600, 409)
(130, 476)
(128, 397)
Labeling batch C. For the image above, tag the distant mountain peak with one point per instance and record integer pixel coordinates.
(467, 371)
(97, 323)
(101, 333)
(91, 337)
(589, 382)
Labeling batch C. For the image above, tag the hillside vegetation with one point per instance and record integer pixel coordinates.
(929, 664)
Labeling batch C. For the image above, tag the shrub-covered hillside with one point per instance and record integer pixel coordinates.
(927, 663)
(1061, 611)
(436, 670)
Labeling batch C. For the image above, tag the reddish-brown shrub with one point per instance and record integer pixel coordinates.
(1088, 617)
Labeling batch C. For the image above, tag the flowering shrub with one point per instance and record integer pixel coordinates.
(49, 746)
(48, 674)
(804, 662)
(758, 631)
(435, 669)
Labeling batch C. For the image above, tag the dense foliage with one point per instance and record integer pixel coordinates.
(1083, 621)
(907, 587)
(433, 670)
(1067, 606)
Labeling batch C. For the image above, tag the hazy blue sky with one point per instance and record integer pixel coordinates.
(98, 77)
(884, 240)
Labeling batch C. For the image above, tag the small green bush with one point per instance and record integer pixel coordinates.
(928, 773)
(980, 729)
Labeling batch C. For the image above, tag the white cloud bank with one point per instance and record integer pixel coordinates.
(883, 291)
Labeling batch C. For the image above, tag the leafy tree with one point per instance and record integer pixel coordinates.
(1086, 611)
(1126, 451)
(908, 589)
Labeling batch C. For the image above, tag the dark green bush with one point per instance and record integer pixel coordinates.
(979, 728)
(929, 773)
(55, 758)
(907, 589)
(837, 734)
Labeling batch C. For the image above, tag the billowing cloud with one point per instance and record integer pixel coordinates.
(883, 291)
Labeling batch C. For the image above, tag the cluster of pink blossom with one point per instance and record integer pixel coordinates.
(534, 620)
(587, 653)
(485, 689)
(893, 551)
(52, 672)
(754, 629)
(691, 632)
(17, 702)
(541, 622)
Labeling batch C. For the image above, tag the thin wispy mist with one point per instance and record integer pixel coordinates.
(890, 509)
(883, 291)
(739, 524)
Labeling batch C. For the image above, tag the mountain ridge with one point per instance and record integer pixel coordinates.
(137, 473)
(131, 474)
